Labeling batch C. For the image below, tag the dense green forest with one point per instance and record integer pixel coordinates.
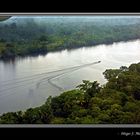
(26, 36)
(116, 102)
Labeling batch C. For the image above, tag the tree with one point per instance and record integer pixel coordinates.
(104, 118)
(64, 105)
(32, 116)
(124, 68)
(136, 92)
(111, 73)
(11, 118)
(89, 104)
(130, 107)
(89, 88)
(57, 120)
(43, 38)
(135, 67)
(115, 114)
(95, 111)
(46, 111)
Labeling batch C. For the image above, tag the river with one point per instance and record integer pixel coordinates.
(27, 82)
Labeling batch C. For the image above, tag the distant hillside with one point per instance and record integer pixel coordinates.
(41, 34)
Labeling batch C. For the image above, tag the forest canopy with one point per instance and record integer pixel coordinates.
(36, 35)
(116, 102)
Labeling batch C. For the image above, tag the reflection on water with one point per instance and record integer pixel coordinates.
(27, 81)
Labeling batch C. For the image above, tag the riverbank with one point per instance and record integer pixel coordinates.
(27, 37)
(89, 103)
(10, 53)
(22, 79)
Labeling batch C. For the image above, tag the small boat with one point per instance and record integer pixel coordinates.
(99, 61)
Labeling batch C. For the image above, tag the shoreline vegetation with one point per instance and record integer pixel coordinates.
(26, 37)
(116, 102)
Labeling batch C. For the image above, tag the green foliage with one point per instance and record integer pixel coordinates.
(90, 89)
(11, 118)
(7, 50)
(89, 104)
(32, 38)
(31, 116)
(64, 104)
(57, 120)
(110, 74)
(130, 107)
(135, 68)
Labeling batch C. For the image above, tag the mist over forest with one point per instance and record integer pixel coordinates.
(42, 34)
(115, 102)
(56, 24)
